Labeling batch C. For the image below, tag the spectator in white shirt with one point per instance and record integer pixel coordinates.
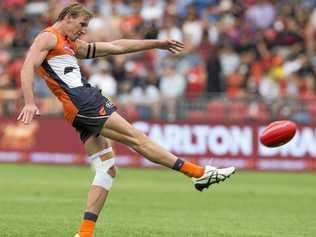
(172, 86)
(104, 80)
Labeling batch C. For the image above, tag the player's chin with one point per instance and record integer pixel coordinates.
(74, 37)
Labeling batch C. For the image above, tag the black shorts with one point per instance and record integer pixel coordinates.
(92, 115)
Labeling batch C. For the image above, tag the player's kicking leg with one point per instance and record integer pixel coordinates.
(118, 129)
(102, 158)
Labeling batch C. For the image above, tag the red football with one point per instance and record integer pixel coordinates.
(278, 133)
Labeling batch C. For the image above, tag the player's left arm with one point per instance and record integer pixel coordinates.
(123, 46)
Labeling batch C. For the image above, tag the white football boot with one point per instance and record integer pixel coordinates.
(212, 175)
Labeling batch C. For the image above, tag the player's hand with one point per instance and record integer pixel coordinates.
(173, 46)
(27, 113)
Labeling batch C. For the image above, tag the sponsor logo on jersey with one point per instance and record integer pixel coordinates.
(68, 70)
(102, 111)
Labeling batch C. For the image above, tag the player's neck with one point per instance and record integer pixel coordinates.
(59, 26)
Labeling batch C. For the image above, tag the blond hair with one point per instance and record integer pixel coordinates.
(74, 10)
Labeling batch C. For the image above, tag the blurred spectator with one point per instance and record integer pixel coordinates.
(261, 14)
(169, 30)
(172, 86)
(269, 89)
(145, 97)
(152, 10)
(214, 82)
(192, 27)
(261, 52)
(229, 59)
(103, 79)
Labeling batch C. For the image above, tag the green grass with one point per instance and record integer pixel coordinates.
(44, 201)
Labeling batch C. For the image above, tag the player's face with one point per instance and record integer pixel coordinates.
(77, 27)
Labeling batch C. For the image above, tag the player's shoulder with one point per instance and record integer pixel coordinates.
(47, 39)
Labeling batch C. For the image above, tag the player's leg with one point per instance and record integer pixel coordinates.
(100, 150)
(102, 157)
(117, 128)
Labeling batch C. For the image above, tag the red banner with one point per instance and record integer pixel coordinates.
(51, 140)
(45, 140)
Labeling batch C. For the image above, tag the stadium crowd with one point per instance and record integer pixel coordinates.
(250, 59)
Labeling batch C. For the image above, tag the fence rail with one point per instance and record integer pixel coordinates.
(195, 107)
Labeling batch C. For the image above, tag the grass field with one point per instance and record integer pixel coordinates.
(44, 201)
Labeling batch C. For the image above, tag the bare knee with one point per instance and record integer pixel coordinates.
(96, 144)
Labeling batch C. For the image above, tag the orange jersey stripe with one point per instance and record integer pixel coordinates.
(63, 46)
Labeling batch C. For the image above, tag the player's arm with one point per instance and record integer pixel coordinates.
(34, 58)
(123, 46)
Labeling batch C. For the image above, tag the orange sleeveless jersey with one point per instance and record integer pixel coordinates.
(61, 72)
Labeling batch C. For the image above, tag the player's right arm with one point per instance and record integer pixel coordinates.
(123, 46)
(38, 51)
